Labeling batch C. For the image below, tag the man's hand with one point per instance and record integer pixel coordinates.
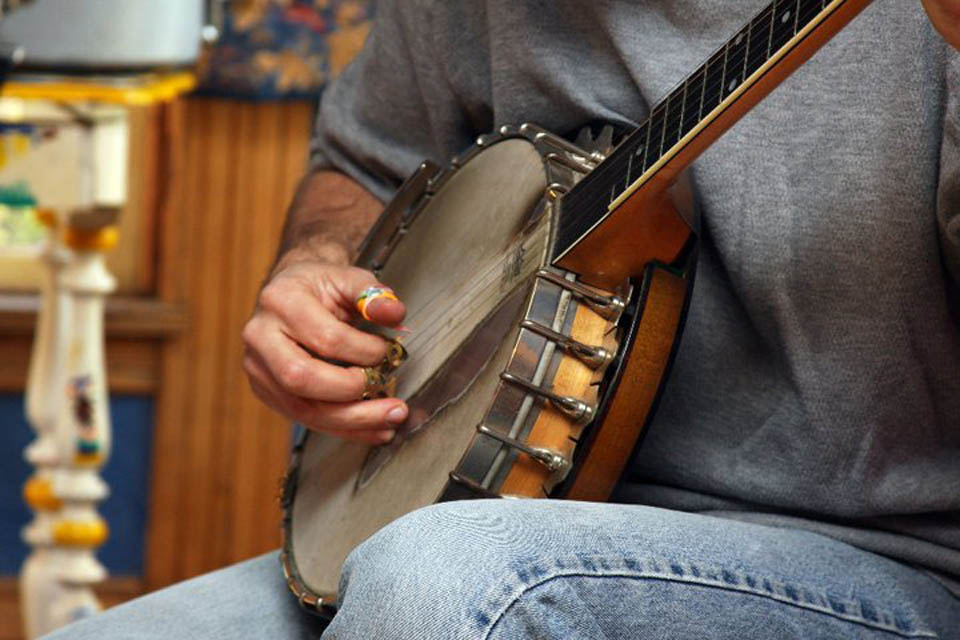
(945, 16)
(308, 302)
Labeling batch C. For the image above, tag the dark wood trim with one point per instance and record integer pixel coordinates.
(125, 316)
(133, 364)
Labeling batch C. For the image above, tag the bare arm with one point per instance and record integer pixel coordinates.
(327, 220)
(307, 302)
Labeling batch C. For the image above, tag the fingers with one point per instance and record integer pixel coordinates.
(322, 333)
(372, 421)
(294, 370)
(308, 306)
(316, 314)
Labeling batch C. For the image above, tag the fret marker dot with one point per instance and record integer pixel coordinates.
(786, 16)
(639, 151)
(739, 39)
(733, 85)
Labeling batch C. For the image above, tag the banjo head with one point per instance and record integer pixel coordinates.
(463, 270)
(499, 379)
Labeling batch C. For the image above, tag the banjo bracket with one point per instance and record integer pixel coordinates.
(574, 408)
(552, 460)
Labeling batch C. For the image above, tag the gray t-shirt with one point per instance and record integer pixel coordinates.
(817, 384)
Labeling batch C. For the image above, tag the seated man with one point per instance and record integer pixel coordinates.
(802, 475)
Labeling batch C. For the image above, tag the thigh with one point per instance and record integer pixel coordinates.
(518, 569)
(247, 600)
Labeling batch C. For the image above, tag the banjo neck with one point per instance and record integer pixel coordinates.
(598, 235)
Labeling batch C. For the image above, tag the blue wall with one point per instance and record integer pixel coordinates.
(127, 472)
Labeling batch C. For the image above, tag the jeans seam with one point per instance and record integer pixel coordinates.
(524, 591)
(703, 578)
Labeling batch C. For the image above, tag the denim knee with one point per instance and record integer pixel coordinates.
(426, 569)
(468, 569)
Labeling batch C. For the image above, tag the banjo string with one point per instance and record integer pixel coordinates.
(477, 294)
(482, 294)
(478, 297)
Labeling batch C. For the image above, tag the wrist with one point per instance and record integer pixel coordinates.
(314, 251)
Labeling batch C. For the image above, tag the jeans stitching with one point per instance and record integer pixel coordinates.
(530, 589)
(856, 611)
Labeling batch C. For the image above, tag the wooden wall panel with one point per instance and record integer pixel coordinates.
(218, 454)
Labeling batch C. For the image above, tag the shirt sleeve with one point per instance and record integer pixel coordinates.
(948, 196)
(395, 104)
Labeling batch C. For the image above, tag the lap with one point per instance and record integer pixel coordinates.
(512, 569)
(504, 569)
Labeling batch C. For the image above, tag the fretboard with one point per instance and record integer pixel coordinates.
(727, 74)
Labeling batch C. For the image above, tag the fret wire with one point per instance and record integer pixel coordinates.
(796, 18)
(663, 132)
(683, 106)
(632, 149)
(756, 50)
(723, 74)
(663, 129)
(668, 128)
(693, 101)
(773, 20)
(646, 143)
(703, 91)
(734, 69)
(746, 53)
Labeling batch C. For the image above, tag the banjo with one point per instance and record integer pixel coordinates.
(546, 284)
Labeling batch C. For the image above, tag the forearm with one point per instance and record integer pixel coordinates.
(327, 220)
(945, 16)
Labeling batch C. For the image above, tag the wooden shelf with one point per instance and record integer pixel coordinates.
(125, 317)
(136, 330)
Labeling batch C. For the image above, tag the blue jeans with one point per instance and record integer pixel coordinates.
(499, 569)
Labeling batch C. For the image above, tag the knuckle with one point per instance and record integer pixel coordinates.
(272, 296)
(293, 376)
(327, 338)
(250, 333)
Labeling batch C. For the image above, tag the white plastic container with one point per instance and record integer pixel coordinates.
(106, 35)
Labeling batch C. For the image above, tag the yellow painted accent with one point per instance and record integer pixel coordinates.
(87, 459)
(80, 533)
(20, 143)
(141, 90)
(720, 108)
(38, 494)
(98, 240)
(47, 217)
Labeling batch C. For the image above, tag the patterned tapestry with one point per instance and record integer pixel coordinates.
(272, 49)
